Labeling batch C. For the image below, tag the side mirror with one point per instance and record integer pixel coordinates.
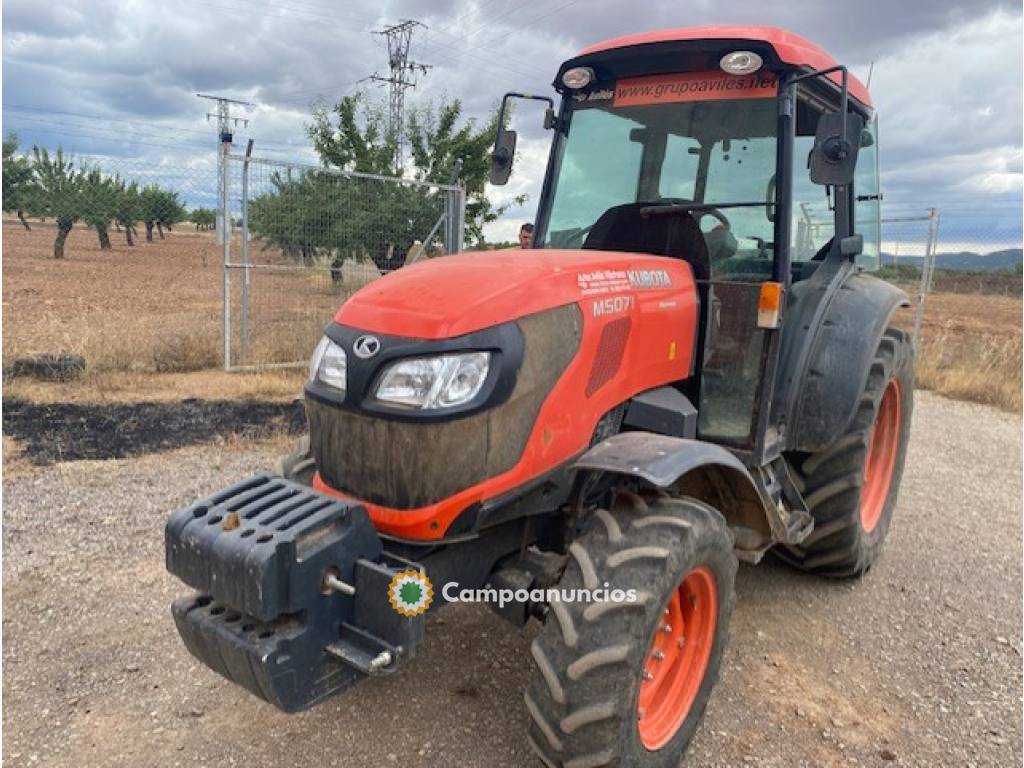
(505, 142)
(502, 156)
(836, 144)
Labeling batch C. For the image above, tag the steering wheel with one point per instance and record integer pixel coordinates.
(715, 214)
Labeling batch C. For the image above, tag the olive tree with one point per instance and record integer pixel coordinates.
(60, 193)
(99, 203)
(160, 210)
(19, 186)
(127, 207)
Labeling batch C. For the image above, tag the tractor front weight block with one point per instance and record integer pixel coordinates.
(291, 588)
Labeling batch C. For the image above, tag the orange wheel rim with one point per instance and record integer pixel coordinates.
(674, 667)
(881, 458)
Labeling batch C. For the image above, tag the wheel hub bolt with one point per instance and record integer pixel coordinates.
(666, 628)
(648, 676)
(658, 655)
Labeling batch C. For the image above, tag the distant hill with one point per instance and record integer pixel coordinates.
(966, 261)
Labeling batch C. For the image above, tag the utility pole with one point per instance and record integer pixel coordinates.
(225, 122)
(403, 76)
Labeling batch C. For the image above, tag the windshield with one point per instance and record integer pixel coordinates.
(715, 153)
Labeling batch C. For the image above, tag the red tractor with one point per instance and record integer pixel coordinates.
(690, 367)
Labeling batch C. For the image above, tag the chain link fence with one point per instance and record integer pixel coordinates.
(147, 282)
(303, 238)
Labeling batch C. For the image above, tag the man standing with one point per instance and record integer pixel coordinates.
(526, 235)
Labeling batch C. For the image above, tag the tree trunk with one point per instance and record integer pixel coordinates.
(128, 234)
(160, 229)
(63, 229)
(104, 236)
(21, 217)
(149, 231)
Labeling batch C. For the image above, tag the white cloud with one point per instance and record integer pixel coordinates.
(946, 78)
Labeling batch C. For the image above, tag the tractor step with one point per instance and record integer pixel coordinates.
(292, 591)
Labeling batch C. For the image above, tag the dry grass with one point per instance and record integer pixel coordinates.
(14, 460)
(148, 321)
(986, 370)
(971, 348)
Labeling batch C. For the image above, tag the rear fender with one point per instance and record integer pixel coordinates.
(693, 468)
(821, 399)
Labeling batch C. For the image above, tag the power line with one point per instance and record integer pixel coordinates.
(96, 116)
(140, 128)
(488, 43)
(107, 137)
(467, 35)
(488, 61)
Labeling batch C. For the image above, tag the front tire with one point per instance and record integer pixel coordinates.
(626, 683)
(851, 487)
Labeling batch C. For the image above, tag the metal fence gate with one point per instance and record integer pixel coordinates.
(299, 239)
(910, 233)
(917, 235)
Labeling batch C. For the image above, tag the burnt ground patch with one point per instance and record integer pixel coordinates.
(52, 432)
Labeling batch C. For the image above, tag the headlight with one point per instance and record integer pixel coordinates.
(329, 364)
(444, 381)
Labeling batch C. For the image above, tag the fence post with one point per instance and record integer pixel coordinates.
(460, 226)
(455, 210)
(225, 149)
(244, 319)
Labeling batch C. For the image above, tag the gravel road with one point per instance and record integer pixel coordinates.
(917, 664)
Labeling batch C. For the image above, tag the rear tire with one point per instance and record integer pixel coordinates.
(590, 660)
(851, 487)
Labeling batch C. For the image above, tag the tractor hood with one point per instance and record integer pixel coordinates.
(455, 295)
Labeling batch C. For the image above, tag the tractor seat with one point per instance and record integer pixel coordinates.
(678, 236)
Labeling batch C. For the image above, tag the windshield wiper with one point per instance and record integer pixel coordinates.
(662, 209)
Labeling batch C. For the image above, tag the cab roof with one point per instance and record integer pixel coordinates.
(789, 47)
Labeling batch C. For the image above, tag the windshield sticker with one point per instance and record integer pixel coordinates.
(693, 86)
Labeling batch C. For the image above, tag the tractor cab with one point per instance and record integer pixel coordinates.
(697, 144)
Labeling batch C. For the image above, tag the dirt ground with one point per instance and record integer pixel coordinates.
(917, 664)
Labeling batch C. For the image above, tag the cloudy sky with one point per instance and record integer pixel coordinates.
(119, 78)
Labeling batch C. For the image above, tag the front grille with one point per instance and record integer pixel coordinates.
(406, 464)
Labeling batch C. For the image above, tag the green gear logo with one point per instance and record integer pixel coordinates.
(410, 593)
